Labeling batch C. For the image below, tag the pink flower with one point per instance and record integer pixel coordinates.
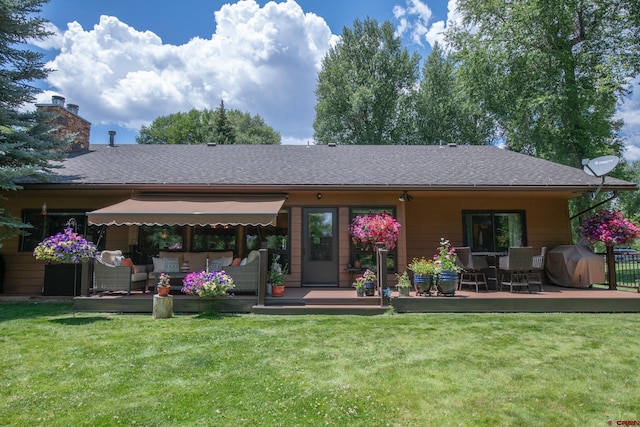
(610, 228)
(367, 230)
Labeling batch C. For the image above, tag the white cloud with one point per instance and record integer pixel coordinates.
(414, 20)
(629, 111)
(259, 60)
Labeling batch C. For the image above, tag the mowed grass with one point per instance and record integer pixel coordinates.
(87, 369)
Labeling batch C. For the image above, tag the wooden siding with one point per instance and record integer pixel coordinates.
(427, 218)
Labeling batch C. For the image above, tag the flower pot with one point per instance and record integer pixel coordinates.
(369, 289)
(360, 292)
(403, 291)
(62, 279)
(448, 282)
(277, 290)
(163, 291)
(422, 283)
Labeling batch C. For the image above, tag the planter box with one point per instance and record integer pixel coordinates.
(62, 279)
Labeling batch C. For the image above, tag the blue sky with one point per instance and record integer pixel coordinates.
(127, 62)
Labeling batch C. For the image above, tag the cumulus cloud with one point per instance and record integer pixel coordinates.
(629, 111)
(414, 22)
(263, 60)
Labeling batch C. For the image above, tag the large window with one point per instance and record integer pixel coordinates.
(368, 258)
(494, 231)
(160, 237)
(48, 223)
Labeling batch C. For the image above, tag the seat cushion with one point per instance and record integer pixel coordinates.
(197, 260)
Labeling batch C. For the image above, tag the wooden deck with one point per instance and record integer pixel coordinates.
(345, 301)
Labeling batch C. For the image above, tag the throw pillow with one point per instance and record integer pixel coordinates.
(158, 265)
(117, 260)
(252, 256)
(243, 262)
(128, 262)
(236, 262)
(226, 261)
(171, 265)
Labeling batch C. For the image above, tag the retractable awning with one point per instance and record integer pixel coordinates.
(191, 210)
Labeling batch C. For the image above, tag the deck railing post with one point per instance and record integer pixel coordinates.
(262, 282)
(381, 270)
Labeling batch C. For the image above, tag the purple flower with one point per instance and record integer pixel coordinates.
(66, 248)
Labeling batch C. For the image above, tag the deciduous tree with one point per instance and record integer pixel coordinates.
(363, 87)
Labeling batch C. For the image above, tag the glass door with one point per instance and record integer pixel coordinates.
(320, 247)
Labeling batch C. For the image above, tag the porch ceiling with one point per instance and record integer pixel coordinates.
(190, 210)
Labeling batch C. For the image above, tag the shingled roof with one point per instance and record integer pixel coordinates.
(341, 166)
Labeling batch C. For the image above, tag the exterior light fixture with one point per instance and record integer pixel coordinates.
(319, 196)
(405, 197)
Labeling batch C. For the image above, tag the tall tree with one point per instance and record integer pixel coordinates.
(25, 140)
(363, 87)
(224, 130)
(444, 112)
(201, 127)
(550, 72)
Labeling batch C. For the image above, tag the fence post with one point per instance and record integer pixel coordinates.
(381, 270)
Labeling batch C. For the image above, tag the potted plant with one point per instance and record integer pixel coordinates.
(404, 283)
(359, 285)
(164, 284)
(63, 252)
(446, 261)
(423, 272)
(277, 276)
(369, 282)
(611, 228)
(207, 283)
(367, 230)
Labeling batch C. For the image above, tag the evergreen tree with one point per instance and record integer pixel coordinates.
(224, 130)
(25, 142)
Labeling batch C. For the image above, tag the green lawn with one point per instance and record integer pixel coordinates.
(87, 369)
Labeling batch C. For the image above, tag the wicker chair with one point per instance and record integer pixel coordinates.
(472, 273)
(245, 277)
(516, 267)
(109, 277)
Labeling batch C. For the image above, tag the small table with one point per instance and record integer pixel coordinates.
(353, 272)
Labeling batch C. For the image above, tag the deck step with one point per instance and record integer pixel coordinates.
(359, 309)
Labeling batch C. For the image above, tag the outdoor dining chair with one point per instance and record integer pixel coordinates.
(536, 276)
(515, 268)
(472, 269)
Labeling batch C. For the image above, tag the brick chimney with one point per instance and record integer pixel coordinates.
(67, 121)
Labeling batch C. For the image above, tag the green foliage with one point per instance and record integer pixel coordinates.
(421, 370)
(364, 87)
(549, 72)
(201, 127)
(444, 110)
(26, 144)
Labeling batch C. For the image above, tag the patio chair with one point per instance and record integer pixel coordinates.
(536, 276)
(515, 268)
(472, 273)
(107, 276)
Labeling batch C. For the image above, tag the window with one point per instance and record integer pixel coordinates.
(55, 221)
(277, 238)
(493, 231)
(160, 237)
(213, 238)
(368, 258)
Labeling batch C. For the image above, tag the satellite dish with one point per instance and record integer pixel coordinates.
(600, 166)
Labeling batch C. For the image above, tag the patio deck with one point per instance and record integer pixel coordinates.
(344, 301)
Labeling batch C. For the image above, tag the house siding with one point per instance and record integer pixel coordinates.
(427, 218)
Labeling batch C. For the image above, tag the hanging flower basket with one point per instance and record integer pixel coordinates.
(367, 230)
(65, 248)
(610, 228)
